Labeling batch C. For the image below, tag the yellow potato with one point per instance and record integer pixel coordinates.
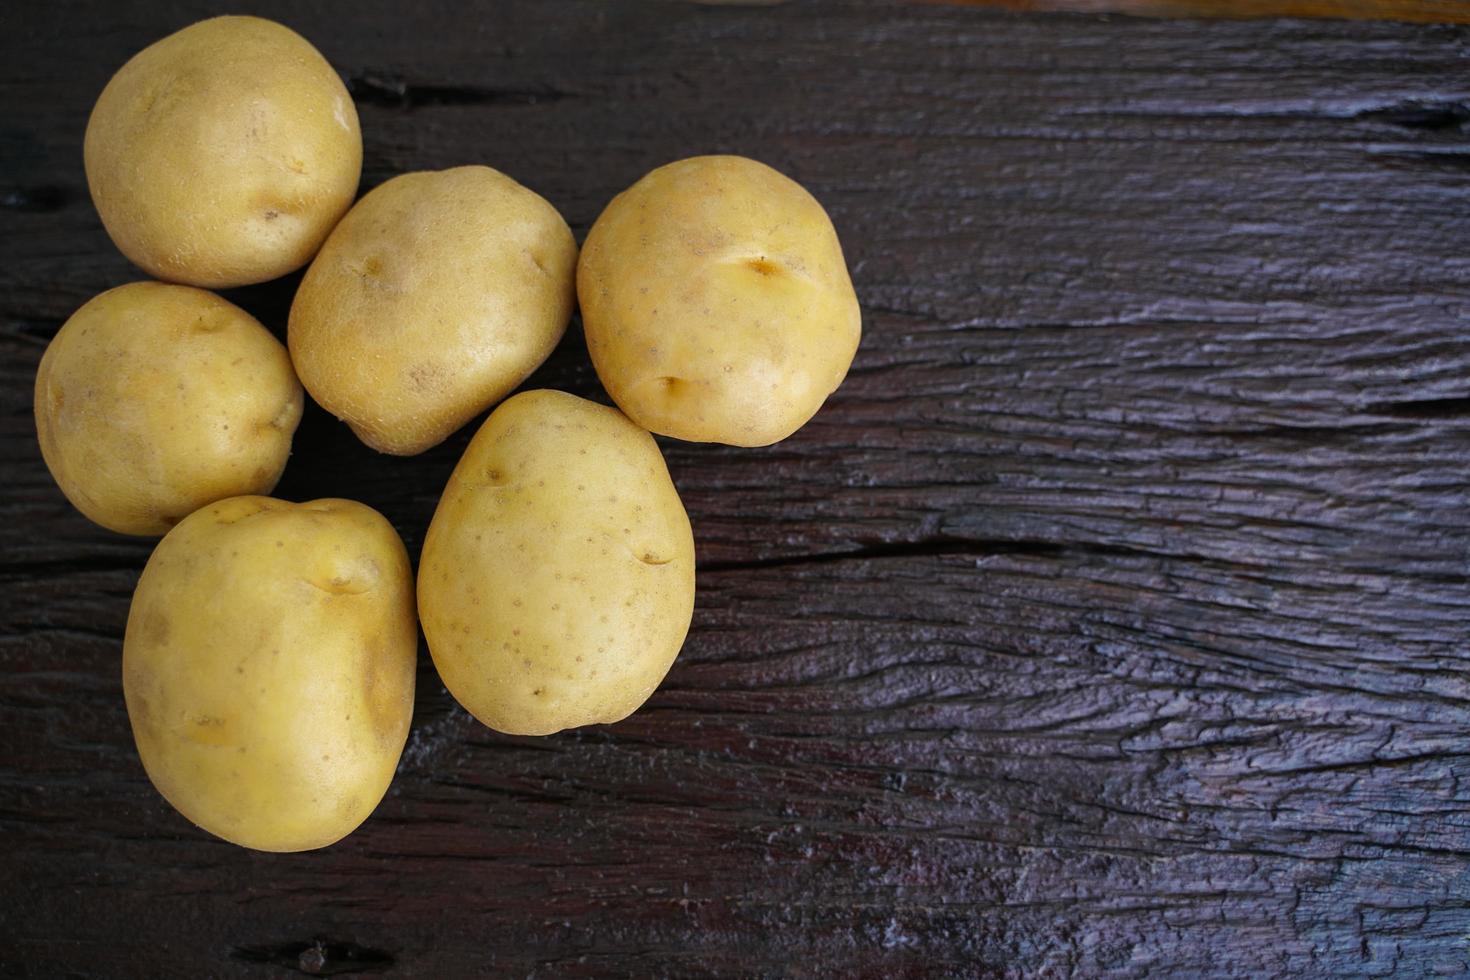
(557, 578)
(223, 154)
(436, 295)
(154, 400)
(716, 302)
(269, 668)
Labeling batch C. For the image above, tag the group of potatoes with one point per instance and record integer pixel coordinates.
(270, 650)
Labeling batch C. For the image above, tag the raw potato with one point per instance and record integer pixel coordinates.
(433, 299)
(154, 400)
(716, 302)
(269, 668)
(557, 578)
(223, 154)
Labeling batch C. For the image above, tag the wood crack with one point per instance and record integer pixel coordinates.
(392, 91)
(1422, 408)
(40, 199)
(930, 548)
(1421, 115)
(317, 958)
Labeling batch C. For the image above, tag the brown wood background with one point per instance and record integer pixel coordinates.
(1113, 619)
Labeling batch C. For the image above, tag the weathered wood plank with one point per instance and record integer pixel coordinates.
(1110, 619)
(1413, 11)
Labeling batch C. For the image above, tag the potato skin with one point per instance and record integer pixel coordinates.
(223, 154)
(716, 302)
(556, 583)
(435, 297)
(154, 400)
(268, 668)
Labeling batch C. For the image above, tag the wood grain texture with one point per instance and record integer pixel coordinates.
(1411, 11)
(1112, 619)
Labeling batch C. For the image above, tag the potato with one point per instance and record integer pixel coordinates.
(154, 400)
(716, 302)
(557, 578)
(269, 668)
(223, 154)
(432, 300)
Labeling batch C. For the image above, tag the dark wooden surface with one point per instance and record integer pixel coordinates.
(1417, 11)
(1112, 619)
